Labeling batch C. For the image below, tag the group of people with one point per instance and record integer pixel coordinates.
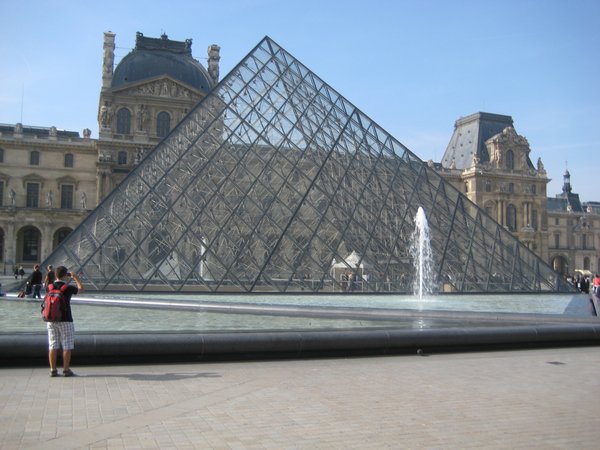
(61, 334)
(350, 281)
(33, 287)
(583, 283)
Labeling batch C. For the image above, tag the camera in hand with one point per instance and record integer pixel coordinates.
(69, 274)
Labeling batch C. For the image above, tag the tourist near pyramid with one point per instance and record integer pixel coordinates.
(274, 182)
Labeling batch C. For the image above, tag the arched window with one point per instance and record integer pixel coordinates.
(60, 236)
(123, 121)
(511, 217)
(510, 160)
(122, 158)
(69, 160)
(163, 124)
(34, 158)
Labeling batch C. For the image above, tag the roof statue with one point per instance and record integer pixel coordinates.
(270, 178)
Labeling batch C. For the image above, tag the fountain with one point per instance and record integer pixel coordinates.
(420, 250)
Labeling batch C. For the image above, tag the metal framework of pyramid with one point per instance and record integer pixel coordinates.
(274, 182)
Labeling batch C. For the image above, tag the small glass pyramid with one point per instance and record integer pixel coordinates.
(274, 182)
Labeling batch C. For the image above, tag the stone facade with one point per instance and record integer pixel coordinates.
(496, 173)
(50, 179)
(573, 233)
(494, 170)
(47, 186)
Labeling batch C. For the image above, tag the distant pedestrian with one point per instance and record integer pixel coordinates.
(596, 285)
(21, 272)
(36, 282)
(49, 278)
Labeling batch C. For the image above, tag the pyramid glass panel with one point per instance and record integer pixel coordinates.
(276, 183)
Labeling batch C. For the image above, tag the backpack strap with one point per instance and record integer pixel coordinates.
(62, 289)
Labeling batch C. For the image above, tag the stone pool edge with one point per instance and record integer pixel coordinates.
(28, 349)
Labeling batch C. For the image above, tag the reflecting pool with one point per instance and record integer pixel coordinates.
(207, 313)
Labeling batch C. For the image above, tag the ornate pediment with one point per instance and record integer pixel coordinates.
(509, 137)
(164, 87)
(509, 150)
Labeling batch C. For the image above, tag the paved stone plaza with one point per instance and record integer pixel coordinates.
(542, 399)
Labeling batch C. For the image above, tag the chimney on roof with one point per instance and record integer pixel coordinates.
(213, 62)
(108, 59)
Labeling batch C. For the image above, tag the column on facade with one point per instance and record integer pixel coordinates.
(47, 241)
(526, 214)
(10, 246)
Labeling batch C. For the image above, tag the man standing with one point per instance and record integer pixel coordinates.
(36, 281)
(63, 333)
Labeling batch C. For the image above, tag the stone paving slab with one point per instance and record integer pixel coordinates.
(534, 399)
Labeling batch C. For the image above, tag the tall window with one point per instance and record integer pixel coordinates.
(586, 263)
(534, 219)
(1, 192)
(123, 121)
(31, 244)
(510, 160)
(66, 196)
(122, 158)
(1, 244)
(69, 160)
(511, 217)
(33, 195)
(1, 155)
(488, 186)
(163, 124)
(557, 241)
(584, 241)
(34, 158)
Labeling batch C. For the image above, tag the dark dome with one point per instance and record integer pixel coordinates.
(155, 57)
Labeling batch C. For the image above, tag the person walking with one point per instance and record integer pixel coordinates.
(49, 278)
(36, 282)
(62, 334)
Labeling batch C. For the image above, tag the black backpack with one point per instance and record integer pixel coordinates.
(54, 303)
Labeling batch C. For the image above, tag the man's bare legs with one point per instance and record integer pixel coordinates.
(52, 354)
(66, 360)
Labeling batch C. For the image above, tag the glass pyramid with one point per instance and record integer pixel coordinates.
(274, 182)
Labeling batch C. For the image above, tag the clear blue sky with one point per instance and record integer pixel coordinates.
(413, 66)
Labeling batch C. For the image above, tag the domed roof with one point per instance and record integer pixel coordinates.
(155, 57)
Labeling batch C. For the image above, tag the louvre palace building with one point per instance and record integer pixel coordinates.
(52, 180)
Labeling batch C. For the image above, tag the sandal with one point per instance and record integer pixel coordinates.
(68, 373)
(53, 373)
